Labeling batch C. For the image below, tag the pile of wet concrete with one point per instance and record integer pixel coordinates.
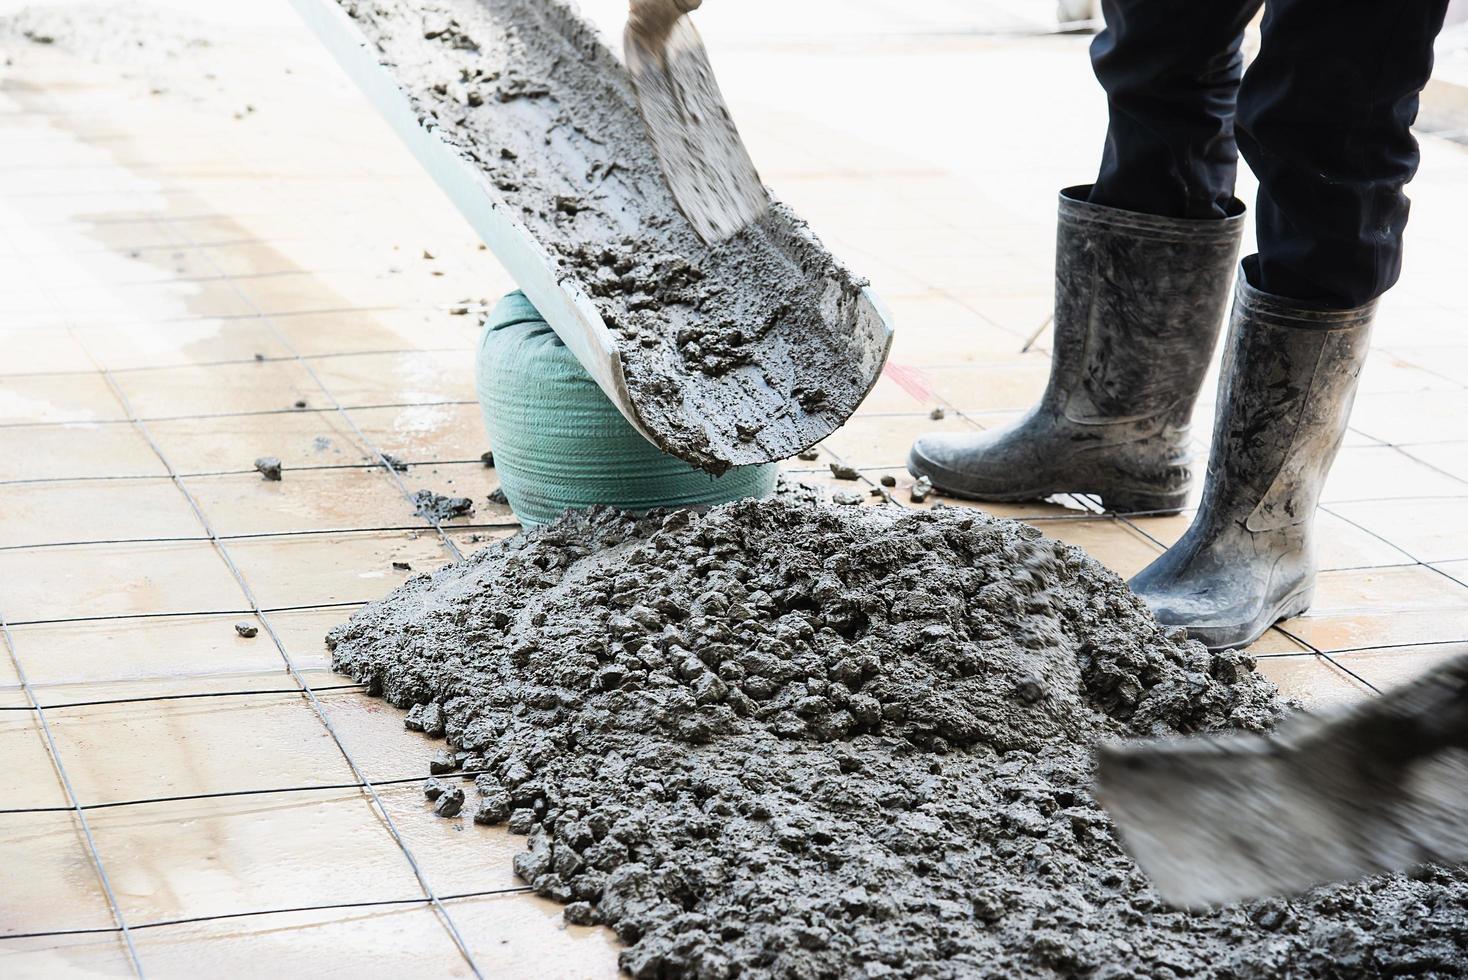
(785, 739)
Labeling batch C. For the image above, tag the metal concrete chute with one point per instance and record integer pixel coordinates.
(583, 174)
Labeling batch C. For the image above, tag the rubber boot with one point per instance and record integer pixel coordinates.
(1139, 303)
(1248, 560)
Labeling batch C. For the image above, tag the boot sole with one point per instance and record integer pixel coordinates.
(1234, 637)
(1116, 502)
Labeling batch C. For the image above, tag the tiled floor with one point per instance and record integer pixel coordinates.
(189, 284)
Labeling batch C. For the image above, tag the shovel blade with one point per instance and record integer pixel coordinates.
(1219, 819)
(701, 155)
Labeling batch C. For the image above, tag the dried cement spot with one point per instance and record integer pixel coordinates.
(721, 346)
(782, 739)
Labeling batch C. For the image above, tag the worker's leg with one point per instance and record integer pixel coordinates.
(1324, 121)
(1171, 72)
(1143, 263)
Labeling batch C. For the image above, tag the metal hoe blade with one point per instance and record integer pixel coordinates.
(1382, 786)
(699, 150)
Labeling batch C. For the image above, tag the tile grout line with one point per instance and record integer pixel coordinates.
(75, 806)
(290, 665)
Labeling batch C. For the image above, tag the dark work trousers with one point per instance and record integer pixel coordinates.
(1323, 116)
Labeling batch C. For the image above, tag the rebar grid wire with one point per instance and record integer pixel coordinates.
(255, 535)
(192, 696)
(232, 361)
(207, 474)
(75, 804)
(254, 606)
(190, 920)
(231, 794)
(202, 416)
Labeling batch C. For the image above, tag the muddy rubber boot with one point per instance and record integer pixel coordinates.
(1139, 303)
(1248, 561)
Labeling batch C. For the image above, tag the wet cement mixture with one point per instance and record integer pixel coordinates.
(747, 351)
(785, 739)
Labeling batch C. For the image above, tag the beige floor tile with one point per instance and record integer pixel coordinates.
(184, 648)
(1357, 609)
(1385, 473)
(396, 940)
(95, 510)
(899, 391)
(501, 928)
(250, 853)
(252, 258)
(1024, 315)
(47, 880)
(57, 452)
(354, 331)
(175, 299)
(41, 350)
(302, 500)
(373, 733)
(90, 955)
(935, 330)
(1405, 325)
(992, 387)
(124, 347)
(883, 441)
(1413, 370)
(1313, 681)
(1450, 457)
(319, 569)
(233, 443)
(1390, 667)
(1433, 530)
(115, 580)
(147, 749)
(1274, 643)
(31, 779)
(408, 378)
(301, 292)
(457, 855)
(58, 398)
(425, 433)
(1405, 418)
(262, 386)
(303, 631)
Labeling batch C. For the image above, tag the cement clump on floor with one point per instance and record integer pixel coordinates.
(797, 740)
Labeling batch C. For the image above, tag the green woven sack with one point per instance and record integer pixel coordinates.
(560, 443)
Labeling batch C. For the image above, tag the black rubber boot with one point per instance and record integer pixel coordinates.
(1248, 560)
(1139, 303)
